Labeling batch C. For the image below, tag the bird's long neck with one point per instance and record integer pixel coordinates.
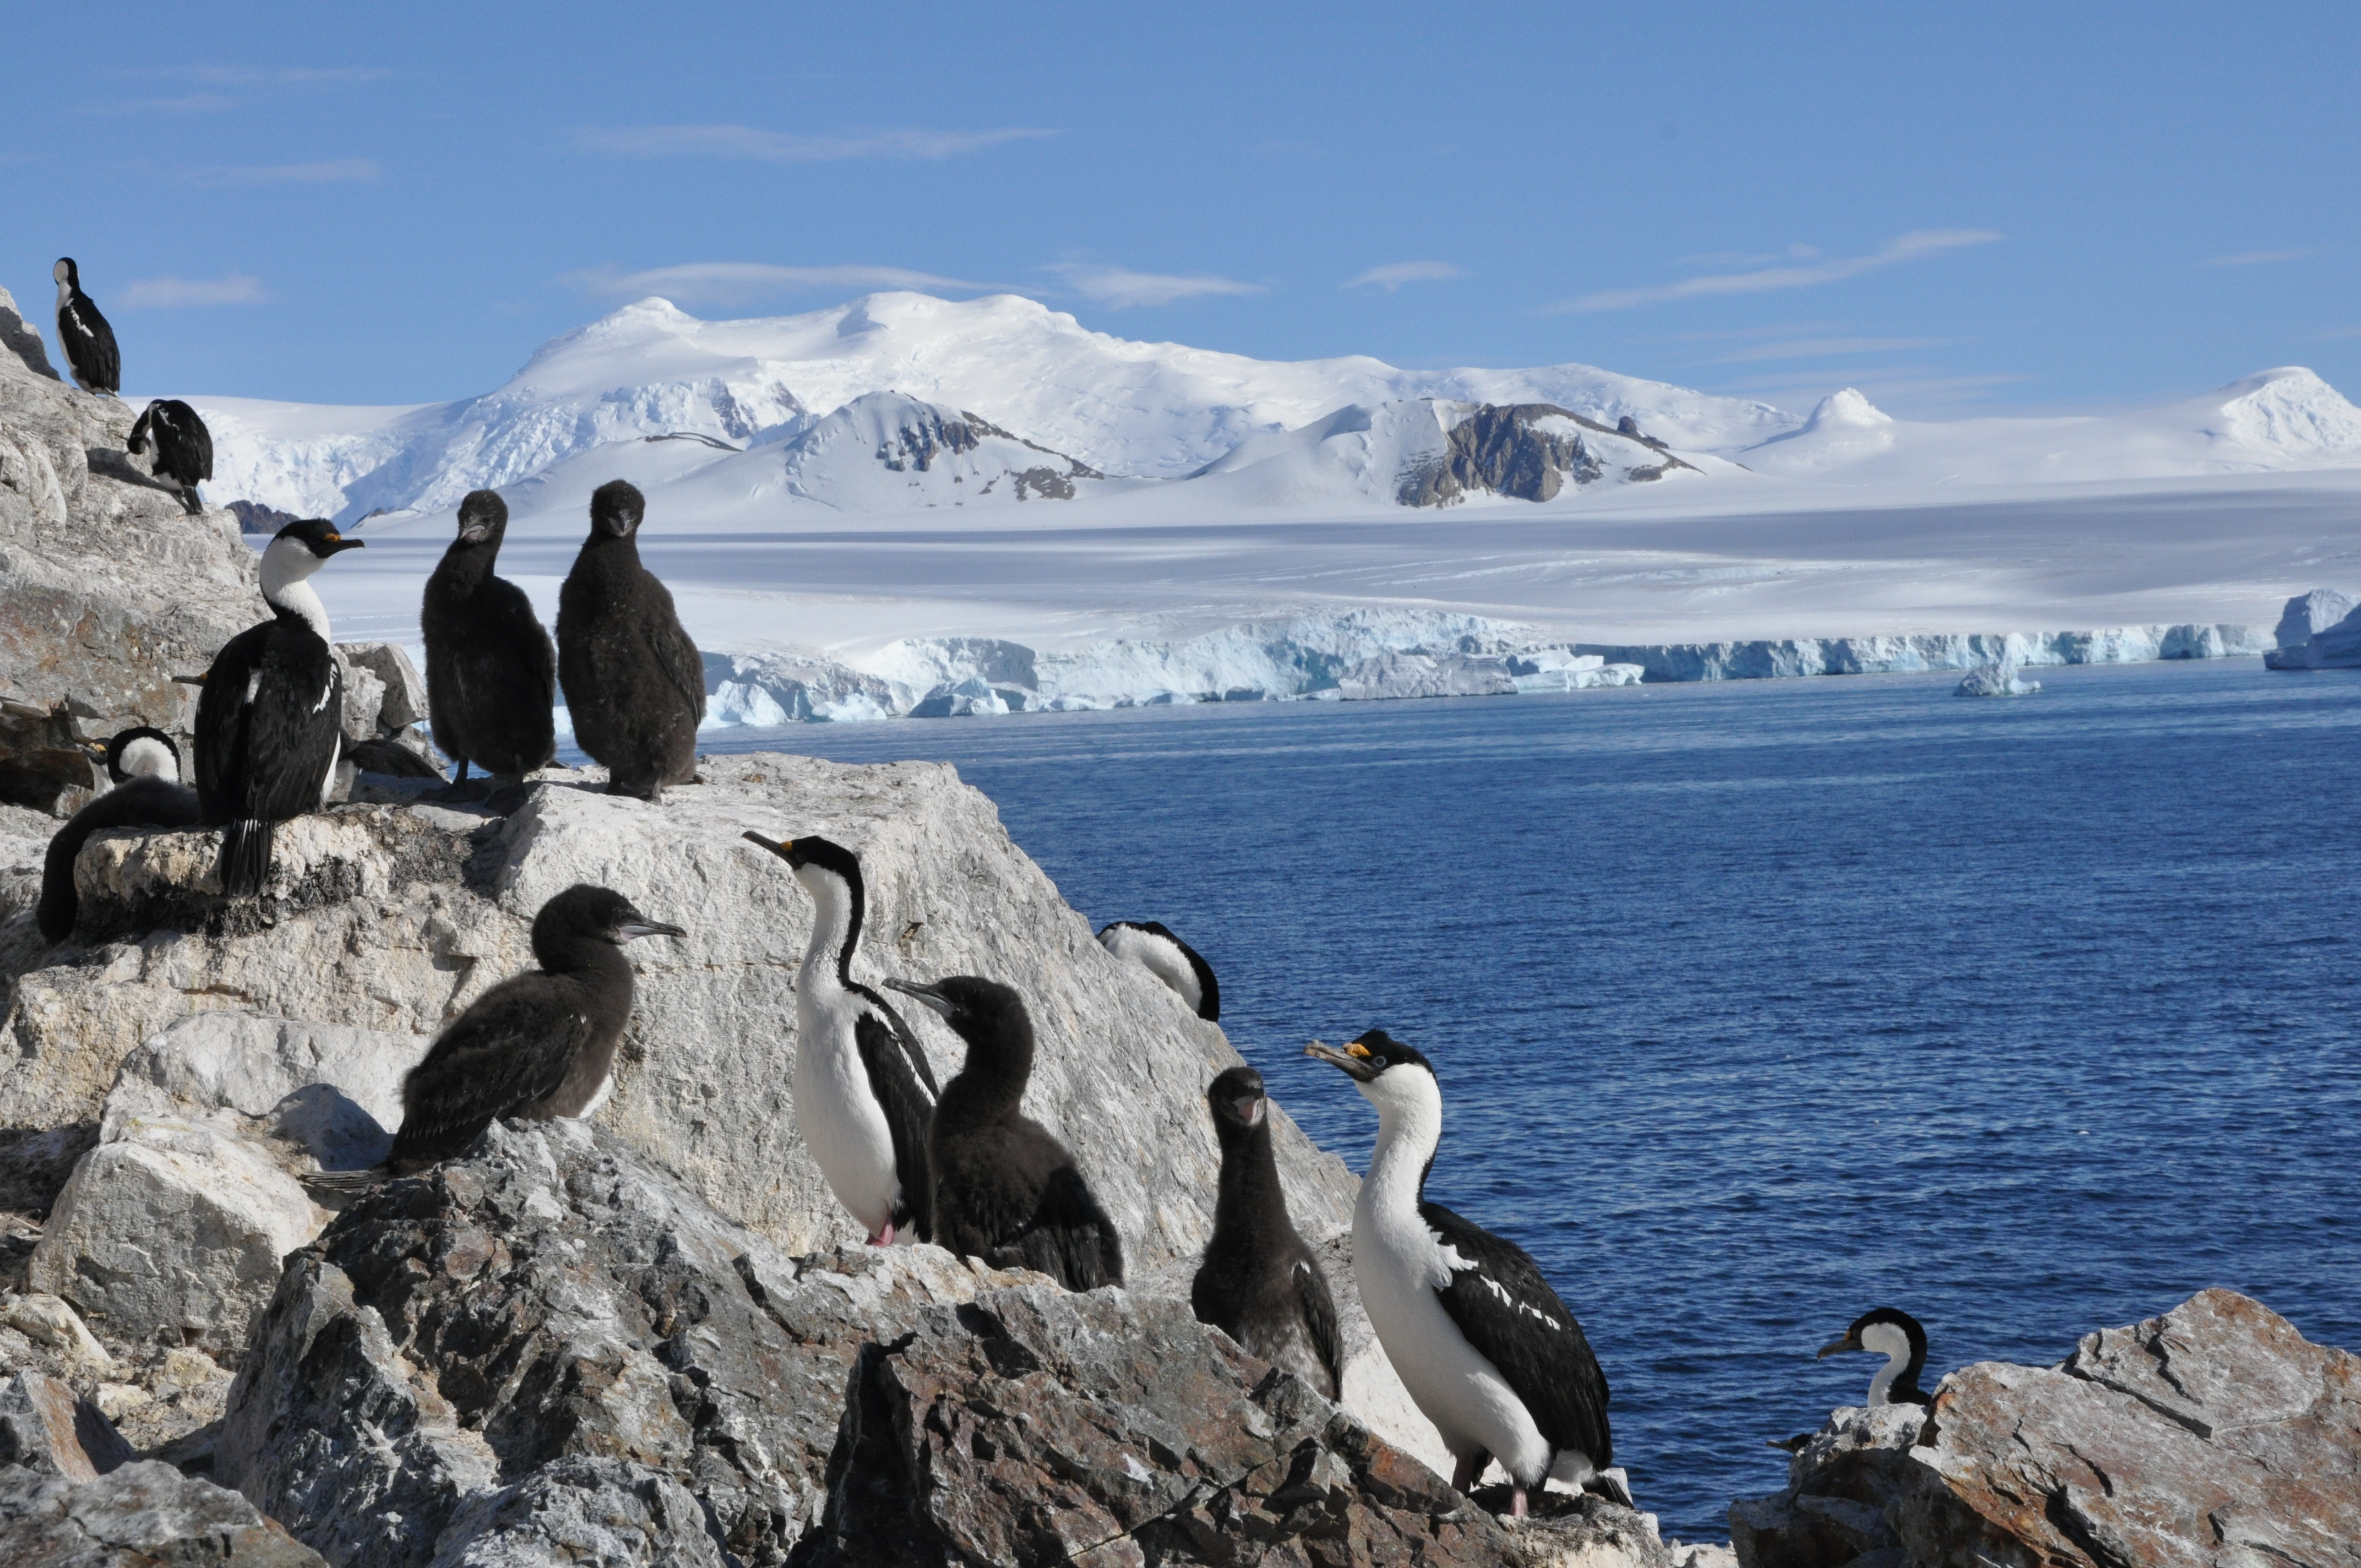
(992, 1081)
(1902, 1363)
(65, 292)
(285, 568)
(595, 961)
(467, 566)
(1250, 1199)
(1407, 1136)
(298, 600)
(836, 929)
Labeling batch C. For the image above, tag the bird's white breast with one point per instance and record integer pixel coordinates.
(841, 1122)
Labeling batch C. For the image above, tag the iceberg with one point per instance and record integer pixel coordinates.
(1997, 680)
(2319, 631)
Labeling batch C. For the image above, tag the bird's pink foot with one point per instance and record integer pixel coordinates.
(1517, 1503)
(884, 1237)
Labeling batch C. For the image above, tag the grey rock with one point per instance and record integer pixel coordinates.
(143, 1514)
(607, 1511)
(402, 699)
(44, 1426)
(1841, 1487)
(1529, 451)
(23, 339)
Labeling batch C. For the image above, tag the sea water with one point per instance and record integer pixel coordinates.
(1760, 1004)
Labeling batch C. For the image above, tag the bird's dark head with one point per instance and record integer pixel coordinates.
(315, 537)
(812, 853)
(615, 509)
(143, 754)
(1887, 1330)
(483, 518)
(1239, 1103)
(597, 913)
(1389, 1075)
(984, 1013)
(66, 272)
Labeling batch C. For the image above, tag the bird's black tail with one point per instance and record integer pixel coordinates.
(245, 857)
(192, 502)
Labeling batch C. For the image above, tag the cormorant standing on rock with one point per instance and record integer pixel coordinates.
(184, 447)
(1259, 1282)
(491, 671)
(1483, 1345)
(634, 684)
(147, 792)
(537, 1045)
(1155, 948)
(84, 335)
(864, 1092)
(1894, 1334)
(1006, 1190)
(272, 713)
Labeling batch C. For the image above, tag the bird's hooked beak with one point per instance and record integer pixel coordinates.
(931, 996)
(1354, 1058)
(1251, 1109)
(637, 925)
(96, 748)
(1838, 1346)
(776, 848)
(338, 541)
(476, 532)
(189, 680)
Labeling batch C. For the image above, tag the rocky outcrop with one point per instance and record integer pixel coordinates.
(1034, 1426)
(46, 1427)
(141, 1516)
(1527, 451)
(2215, 1436)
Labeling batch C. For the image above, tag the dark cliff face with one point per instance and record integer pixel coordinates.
(924, 433)
(1512, 450)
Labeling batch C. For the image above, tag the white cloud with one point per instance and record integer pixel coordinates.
(1119, 287)
(2258, 257)
(1908, 247)
(335, 171)
(169, 294)
(733, 282)
(1394, 274)
(1820, 347)
(778, 147)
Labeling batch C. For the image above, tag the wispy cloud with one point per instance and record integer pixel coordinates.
(734, 282)
(1394, 274)
(754, 144)
(169, 293)
(1822, 347)
(1119, 287)
(2259, 257)
(1912, 246)
(335, 171)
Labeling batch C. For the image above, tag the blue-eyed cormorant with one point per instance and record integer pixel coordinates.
(273, 712)
(1006, 1190)
(491, 671)
(634, 684)
(147, 792)
(864, 1090)
(536, 1045)
(1483, 1345)
(84, 335)
(1894, 1334)
(183, 448)
(1155, 948)
(1259, 1282)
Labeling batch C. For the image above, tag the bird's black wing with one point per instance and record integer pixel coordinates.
(139, 803)
(200, 443)
(222, 717)
(909, 1107)
(676, 656)
(510, 1048)
(299, 734)
(509, 669)
(90, 344)
(1319, 1308)
(1068, 1238)
(1513, 1319)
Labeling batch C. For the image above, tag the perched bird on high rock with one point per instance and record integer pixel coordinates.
(1896, 1335)
(1154, 948)
(88, 342)
(634, 684)
(1483, 1345)
(864, 1092)
(146, 768)
(1006, 1190)
(183, 448)
(491, 669)
(537, 1045)
(1259, 1282)
(271, 718)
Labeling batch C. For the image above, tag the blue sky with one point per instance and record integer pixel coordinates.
(1958, 208)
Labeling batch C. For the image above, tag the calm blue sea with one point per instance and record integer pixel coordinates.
(1760, 1004)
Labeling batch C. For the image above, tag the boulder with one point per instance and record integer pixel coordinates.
(1035, 1427)
(401, 701)
(553, 1335)
(1841, 1486)
(46, 1427)
(141, 1516)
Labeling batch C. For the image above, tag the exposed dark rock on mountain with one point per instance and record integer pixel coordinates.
(1529, 451)
(923, 432)
(253, 517)
(146, 1515)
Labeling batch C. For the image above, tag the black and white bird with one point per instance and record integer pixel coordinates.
(183, 448)
(1155, 948)
(146, 769)
(1483, 1345)
(491, 669)
(84, 335)
(1896, 1335)
(634, 683)
(1259, 1282)
(537, 1045)
(864, 1092)
(271, 718)
(1006, 1190)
